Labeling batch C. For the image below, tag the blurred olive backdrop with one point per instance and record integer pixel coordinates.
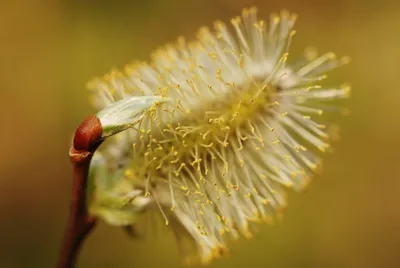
(349, 217)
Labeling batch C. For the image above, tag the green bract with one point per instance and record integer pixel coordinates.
(123, 114)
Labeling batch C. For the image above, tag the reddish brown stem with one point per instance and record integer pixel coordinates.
(87, 139)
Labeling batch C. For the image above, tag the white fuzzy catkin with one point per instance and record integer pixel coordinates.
(241, 127)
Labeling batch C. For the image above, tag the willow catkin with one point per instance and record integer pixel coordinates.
(242, 126)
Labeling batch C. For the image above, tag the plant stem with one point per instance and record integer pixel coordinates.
(87, 139)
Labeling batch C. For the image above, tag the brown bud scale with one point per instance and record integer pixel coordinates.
(88, 134)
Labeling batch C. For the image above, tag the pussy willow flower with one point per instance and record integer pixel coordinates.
(242, 126)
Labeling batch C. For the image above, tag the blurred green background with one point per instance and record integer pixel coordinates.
(350, 215)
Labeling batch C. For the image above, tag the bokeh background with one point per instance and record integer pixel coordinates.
(349, 217)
